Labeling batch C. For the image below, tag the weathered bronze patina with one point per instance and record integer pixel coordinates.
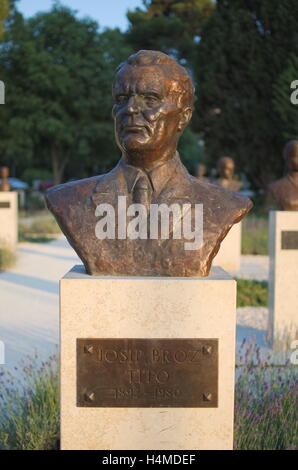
(4, 174)
(285, 191)
(154, 98)
(226, 170)
(147, 372)
(289, 240)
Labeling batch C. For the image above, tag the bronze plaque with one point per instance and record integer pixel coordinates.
(289, 240)
(147, 372)
(4, 205)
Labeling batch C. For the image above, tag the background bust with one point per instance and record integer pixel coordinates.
(226, 170)
(284, 191)
(154, 98)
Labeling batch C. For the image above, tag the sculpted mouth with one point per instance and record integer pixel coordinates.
(134, 128)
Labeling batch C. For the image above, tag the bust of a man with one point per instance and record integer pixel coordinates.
(148, 216)
(285, 190)
(201, 172)
(226, 170)
(4, 174)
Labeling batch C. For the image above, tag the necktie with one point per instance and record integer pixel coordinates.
(142, 192)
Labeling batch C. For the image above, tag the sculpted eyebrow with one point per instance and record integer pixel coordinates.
(150, 92)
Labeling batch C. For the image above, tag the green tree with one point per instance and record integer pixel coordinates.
(172, 26)
(245, 46)
(4, 12)
(59, 102)
(285, 108)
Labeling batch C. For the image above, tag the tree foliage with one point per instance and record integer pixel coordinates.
(284, 107)
(59, 102)
(172, 26)
(245, 47)
(4, 12)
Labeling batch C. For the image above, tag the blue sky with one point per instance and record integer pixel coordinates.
(109, 13)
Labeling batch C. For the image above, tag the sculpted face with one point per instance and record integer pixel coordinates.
(226, 168)
(292, 157)
(148, 118)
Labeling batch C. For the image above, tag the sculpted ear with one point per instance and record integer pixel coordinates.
(185, 117)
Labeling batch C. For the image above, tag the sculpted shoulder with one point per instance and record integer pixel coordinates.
(60, 198)
(220, 204)
(278, 185)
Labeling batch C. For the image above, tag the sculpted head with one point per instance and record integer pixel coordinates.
(154, 98)
(290, 154)
(226, 167)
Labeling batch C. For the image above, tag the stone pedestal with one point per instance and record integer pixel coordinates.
(134, 307)
(229, 255)
(9, 218)
(283, 278)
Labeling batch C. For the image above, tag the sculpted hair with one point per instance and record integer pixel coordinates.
(223, 160)
(171, 69)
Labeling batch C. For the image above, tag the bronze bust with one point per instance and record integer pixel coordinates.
(201, 172)
(154, 98)
(4, 174)
(285, 191)
(226, 170)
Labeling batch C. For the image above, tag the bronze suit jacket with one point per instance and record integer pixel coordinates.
(74, 204)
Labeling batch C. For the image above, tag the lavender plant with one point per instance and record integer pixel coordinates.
(266, 402)
(29, 407)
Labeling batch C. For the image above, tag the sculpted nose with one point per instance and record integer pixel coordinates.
(132, 106)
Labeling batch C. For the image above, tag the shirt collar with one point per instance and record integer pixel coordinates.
(157, 176)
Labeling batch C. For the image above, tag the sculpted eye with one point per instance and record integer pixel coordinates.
(151, 100)
(120, 99)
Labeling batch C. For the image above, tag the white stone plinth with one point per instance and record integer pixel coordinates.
(146, 307)
(283, 281)
(229, 255)
(9, 218)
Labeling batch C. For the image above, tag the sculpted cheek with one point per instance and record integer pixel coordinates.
(152, 114)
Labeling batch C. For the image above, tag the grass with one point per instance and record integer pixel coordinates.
(266, 406)
(29, 418)
(252, 293)
(254, 236)
(40, 230)
(7, 257)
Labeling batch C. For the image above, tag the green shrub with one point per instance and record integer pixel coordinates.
(29, 416)
(254, 236)
(252, 293)
(39, 230)
(34, 201)
(31, 174)
(7, 257)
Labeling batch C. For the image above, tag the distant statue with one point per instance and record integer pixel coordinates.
(201, 172)
(4, 174)
(285, 190)
(226, 170)
(148, 216)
